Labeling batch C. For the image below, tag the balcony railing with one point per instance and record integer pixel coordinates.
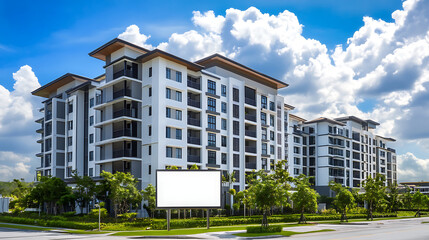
(251, 165)
(194, 103)
(125, 72)
(194, 158)
(122, 133)
(123, 113)
(122, 93)
(250, 101)
(194, 122)
(250, 149)
(250, 133)
(250, 117)
(194, 140)
(123, 153)
(195, 85)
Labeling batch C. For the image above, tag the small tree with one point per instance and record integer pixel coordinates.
(228, 179)
(392, 198)
(374, 193)
(419, 201)
(266, 193)
(123, 191)
(84, 190)
(344, 199)
(149, 195)
(407, 199)
(305, 198)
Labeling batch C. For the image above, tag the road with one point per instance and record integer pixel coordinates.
(404, 229)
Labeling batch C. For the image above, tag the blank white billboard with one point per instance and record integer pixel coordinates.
(188, 189)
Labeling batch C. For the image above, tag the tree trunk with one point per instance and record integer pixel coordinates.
(302, 218)
(265, 219)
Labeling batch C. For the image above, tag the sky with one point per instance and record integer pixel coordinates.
(364, 58)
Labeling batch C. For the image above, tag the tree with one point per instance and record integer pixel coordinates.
(122, 191)
(344, 199)
(305, 198)
(149, 195)
(392, 198)
(266, 192)
(20, 194)
(228, 179)
(407, 199)
(84, 190)
(419, 201)
(374, 193)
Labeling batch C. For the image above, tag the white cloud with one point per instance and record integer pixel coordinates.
(412, 168)
(132, 34)
(208, 21)
(14, 165)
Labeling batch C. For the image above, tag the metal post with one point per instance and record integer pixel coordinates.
(208, 219)
(99, 217)
(168, 219)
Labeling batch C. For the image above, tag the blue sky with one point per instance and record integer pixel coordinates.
(378, 71)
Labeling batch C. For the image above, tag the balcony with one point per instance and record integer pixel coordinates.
(40, 130)
(250, 149)
(122, 133)
(250, 101)
(132, 73)
(123, 153)
(194, 140)
(123, 113)
(250, 117)
(48, 116)
(194, 103)
(122, 93)
(194, 122)
(250, 133)
(251, 165)
(194, 158)
(194, 84)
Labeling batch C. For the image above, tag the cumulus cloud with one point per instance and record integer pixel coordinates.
(132, 34)
(407, 165)
(13, 165)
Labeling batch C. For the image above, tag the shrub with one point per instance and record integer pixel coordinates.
(329, 211)
(94, 213)
(269, 229)
(130, 215)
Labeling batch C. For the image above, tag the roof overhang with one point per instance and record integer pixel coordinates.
(47, 89)
(296, 117)
(113, 46)
(230, 65)
(358, 120)
(387, 138)
(159, 53)
(289, 107)
(323, 119)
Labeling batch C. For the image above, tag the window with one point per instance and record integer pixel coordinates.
(150, 131)
(236, 144)
(178, 153)
(236, 127)
(91, 120)
(211, 87)
(272, 120)
(150, 111)
(224, 156)
(264, 133)
(150, 169)
(297, 161)
(223, 107)
(91, 155)
(168, 132)
(263, 118)
(178, 114)
(70, 107)
(150, 72)
(223, 142)
(212, 139)
(69, 156)
(91, 138)
(178, 96)
(236, 160)
(272, 106)
(69, 141)
(150, 150)
(91, 172)
(211, 157)
(179, 134)
(235, 111)
(211, 122)
(168, 112)
(296, 171)
(223, 90)
(168, 93)
(91, 102)
(223, 123)
(271, 149)
(168, 73)
(263, 102)
(178, 76)
(272, 135)
(70, 125)
(235, 95)
(264, 149)
(150, 92)
(296, 150)
(169, 152)
(211, 104)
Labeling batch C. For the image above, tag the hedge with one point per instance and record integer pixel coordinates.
(269, 229)
(50, 223)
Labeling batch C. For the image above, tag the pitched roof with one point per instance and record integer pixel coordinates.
(296, 117)
(114, 45)
(235, 67)
(47, 89)
(290, 107)
(159, 53)
(324, 119)
(356, 119)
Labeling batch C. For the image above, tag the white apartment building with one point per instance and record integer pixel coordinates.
(151, 110)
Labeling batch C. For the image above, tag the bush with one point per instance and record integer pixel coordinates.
(94, 213)
(329, 211)
(260, 229)
(130, 215)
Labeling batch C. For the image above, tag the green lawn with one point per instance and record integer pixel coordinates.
(86, 232)
(5, 225)
(283, 233)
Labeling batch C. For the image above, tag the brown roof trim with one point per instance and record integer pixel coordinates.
(159, 53)
(45, 90)
(296, 117)
(101, 77)
(114, 45)
(356, 119)
(118, 60)
(386, 138)
(324, 119)
(290, 107)
(222, 61)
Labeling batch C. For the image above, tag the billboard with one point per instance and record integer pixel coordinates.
(188, 189)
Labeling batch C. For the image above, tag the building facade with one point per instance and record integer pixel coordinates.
(152, 110)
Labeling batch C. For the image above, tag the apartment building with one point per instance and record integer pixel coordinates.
(151, 110)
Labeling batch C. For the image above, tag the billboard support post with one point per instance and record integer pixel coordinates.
(168, 219)
(208, 218)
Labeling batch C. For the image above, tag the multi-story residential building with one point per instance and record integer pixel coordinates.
(422, 186)
(151, 110)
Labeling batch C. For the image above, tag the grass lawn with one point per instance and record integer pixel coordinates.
(191, 231)
(362, 220)
(86, 232)
(5, 225)
(283, 233)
